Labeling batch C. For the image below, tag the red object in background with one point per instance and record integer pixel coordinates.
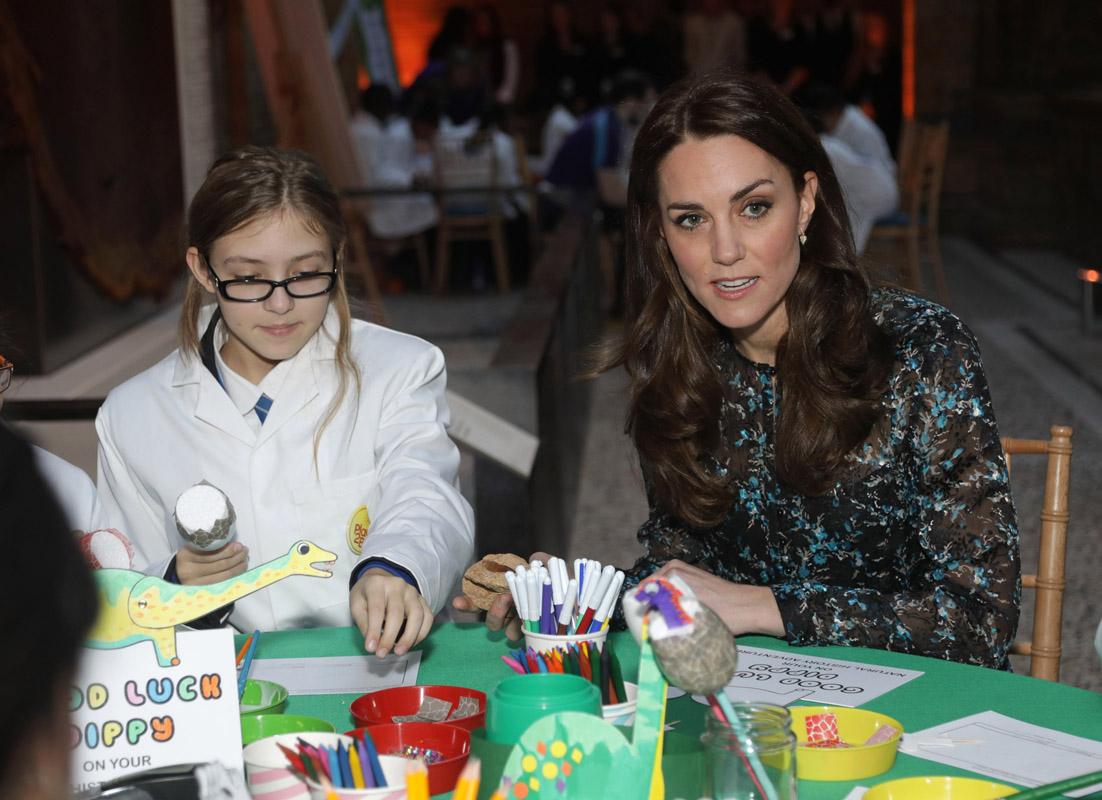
(452, 742)
(379, 708)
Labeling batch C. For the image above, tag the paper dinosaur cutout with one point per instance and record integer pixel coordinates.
(135, 607)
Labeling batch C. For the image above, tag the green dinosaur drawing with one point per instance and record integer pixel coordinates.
(135, 607)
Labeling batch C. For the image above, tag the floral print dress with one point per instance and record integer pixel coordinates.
(914, 549)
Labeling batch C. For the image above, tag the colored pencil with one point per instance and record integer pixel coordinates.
(1060, 788)
(355, 767)
(246, 665)
(469, 779)
(345, 762)
(617, 674)
(244, 647)
(417, 780)
(365, 764)
(514, 665)
(373, 760)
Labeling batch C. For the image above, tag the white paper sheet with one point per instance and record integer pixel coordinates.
(783, 678)
(856, 793)
(339, 674)
(1008, 750)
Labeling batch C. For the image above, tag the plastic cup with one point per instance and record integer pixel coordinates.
(266, 769)
(622, 714)
(517, 702)
(259, 726)
(542, 642)
(263, 697)
(394, 769)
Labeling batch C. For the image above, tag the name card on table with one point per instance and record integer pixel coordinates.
(130, 714)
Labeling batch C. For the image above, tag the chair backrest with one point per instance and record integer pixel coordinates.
(925, 173)
(462, 162)
(1044, 644)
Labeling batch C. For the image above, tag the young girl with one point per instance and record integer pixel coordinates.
(316, 426)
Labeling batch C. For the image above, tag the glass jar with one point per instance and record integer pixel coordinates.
(737, 766)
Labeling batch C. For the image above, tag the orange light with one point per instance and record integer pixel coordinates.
(1089, 275)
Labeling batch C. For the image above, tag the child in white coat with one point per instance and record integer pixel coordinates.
(315, 425)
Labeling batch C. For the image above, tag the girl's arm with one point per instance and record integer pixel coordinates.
(424, 524)
(962, 601)
(125, 506)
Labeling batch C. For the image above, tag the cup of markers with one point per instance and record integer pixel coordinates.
(556, 610)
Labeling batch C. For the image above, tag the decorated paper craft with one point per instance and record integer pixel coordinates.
(882, 734)
(432, 709)
(821, 728)
(107, 548)
(136, 608)
(468, 707)
(205, 517)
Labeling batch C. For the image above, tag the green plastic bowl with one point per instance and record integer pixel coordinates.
(517, 702)
(263, 697)
(258, 726)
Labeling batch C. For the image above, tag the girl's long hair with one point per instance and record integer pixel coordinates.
(832, 364)
(254, 182)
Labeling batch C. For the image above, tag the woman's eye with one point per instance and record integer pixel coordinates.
(756, 209)
(246, 277)
(689, 221)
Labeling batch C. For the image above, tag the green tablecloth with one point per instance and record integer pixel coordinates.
(468, 655)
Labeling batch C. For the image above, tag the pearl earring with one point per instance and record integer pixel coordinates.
(803, 238)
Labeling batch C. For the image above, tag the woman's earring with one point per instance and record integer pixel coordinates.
(803, 238)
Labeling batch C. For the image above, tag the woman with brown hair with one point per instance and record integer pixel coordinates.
(315, 425)
(821, 457)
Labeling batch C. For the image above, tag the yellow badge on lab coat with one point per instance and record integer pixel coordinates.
(357, 529)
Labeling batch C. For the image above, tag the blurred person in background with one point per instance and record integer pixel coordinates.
(563, 61)
(859, 154)
(715, 38)
(499, 55)
(779, 46)
(383, 143)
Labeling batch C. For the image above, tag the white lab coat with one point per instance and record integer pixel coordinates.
(74, 490)
(387, 449)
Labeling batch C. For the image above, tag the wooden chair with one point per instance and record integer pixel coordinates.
(359, 260)
(466, 216)
(923, 148)
(1043, 648)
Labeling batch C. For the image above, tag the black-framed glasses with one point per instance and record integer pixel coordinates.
(256, 290)
(6, 370)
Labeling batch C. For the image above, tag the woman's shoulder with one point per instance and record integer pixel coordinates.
(917, 324)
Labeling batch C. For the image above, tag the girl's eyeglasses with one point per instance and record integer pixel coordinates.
(255, 290)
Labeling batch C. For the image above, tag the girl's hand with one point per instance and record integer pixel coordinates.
(390, 613)
(194, 568)
(743, 608)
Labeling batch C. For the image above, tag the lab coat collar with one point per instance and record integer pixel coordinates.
(214, 405)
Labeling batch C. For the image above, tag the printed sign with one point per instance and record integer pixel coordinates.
(130, 714)
(784, 677)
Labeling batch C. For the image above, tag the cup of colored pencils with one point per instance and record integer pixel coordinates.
(352, 768)
(599, 665)
(556, 609)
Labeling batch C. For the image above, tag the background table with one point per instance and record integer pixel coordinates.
(468, 655)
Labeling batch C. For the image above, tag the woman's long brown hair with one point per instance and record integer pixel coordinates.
(253, 182)
(832, 364)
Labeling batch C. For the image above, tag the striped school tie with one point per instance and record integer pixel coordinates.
(262, 407)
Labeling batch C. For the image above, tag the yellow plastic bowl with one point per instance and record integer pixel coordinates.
(939, 788)
(846, 763)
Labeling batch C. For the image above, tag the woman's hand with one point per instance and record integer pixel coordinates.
(389, 612)
(193, 568)
(743, 608)
(502, 614)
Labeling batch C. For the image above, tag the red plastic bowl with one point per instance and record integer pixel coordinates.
(379, 708)
(453, 743)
